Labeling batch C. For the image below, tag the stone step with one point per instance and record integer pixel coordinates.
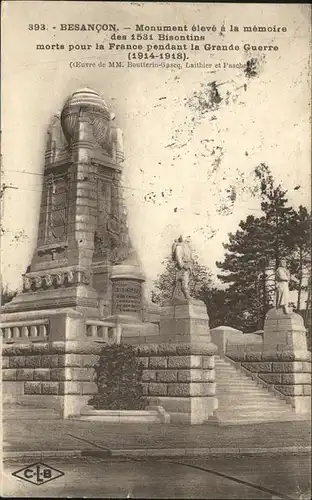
(241, 388)
(254, 404)
(237, 382)
(244, 401)
(262, 409)
(259, 411)
(238, 393)
(231, 402)
(255, 413)
(252, 421)
(234, 377)
(227, 373)
(224, 366)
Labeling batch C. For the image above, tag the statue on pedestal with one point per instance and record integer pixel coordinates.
(282, 277)
(182, 256)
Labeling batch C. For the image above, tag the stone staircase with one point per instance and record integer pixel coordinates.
(243, 401)
(21, 412)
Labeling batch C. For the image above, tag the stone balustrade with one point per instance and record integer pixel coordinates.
(103, 330)
(21, 331)
(229, 339)
(236, 351)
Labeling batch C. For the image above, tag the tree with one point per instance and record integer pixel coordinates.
(243, 269)
(200, 280)
(300, 256)
(281, 232)
(218, 306)
(6, 295)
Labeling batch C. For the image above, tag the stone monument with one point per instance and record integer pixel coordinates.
(85, 281)
(84, 265)
(180, 373)
(182, 256)
(282, 278)
(183, 318)
(285, 347)
(283, 329)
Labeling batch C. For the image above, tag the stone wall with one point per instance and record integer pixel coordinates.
(288, 373)
(60, 375)
(181, 378)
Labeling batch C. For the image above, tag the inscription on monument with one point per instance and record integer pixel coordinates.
(127, 296)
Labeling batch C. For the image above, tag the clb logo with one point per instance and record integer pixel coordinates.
(38, 473)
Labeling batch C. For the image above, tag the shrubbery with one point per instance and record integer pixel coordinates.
(118, 376)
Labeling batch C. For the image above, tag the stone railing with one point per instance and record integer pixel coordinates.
(229, 339)
(104, 331)
(21, 331)
(237, 351)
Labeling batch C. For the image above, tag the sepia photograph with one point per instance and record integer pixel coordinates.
(155, 231)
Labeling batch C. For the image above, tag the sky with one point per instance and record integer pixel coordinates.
(186, 171)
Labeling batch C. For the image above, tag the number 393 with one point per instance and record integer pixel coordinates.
(36, 27)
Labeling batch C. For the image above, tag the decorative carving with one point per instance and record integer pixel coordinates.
(37, 282)
(59, 279)
(87, 105)
(101, 247)
(86, 277)
(26, 283)
(70, 277)
(48, 280)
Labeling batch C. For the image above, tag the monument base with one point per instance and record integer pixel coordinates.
(57, 375)
(284, 332)
(184, 320)
(81, 298)
(284, 362)
(180, 378)
(179, 370)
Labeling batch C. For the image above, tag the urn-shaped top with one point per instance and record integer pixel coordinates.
(93, 105)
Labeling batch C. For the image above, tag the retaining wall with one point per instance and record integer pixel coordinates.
(60, 375)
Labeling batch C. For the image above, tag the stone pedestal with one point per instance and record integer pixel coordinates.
(179, 370)
(180, 378)
(283, 362)
(127, 282)
(284, 332)
(184, 321)
(128, 305)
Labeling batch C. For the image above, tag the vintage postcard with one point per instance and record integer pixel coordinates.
(155, 250)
